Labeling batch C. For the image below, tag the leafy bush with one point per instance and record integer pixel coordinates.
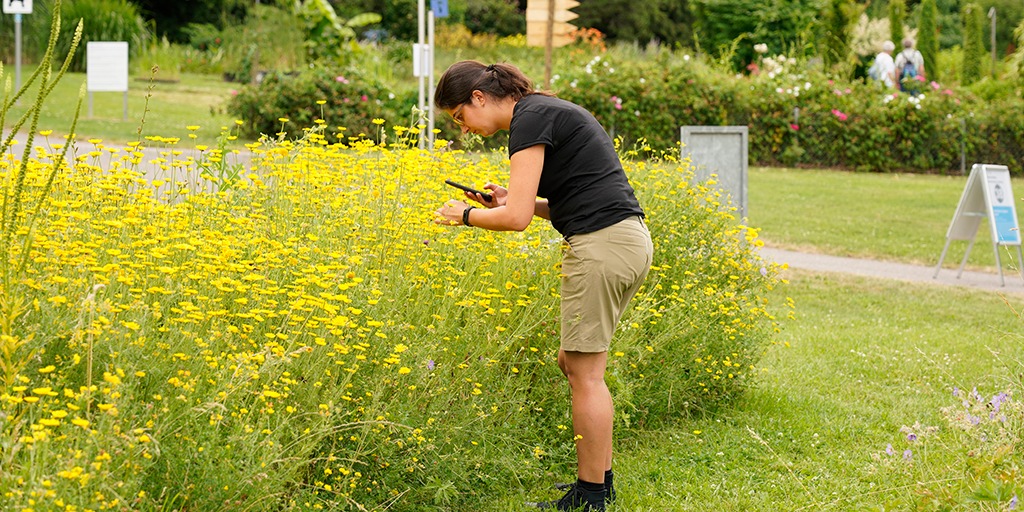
(338, 97)
(798, 115)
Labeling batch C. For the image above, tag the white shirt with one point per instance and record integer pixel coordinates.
(886, 68)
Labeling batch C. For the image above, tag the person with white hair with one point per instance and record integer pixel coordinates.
(884, 67)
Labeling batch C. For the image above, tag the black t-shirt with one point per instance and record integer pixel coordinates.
(582, 179)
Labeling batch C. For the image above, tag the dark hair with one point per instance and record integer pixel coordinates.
(500, 81)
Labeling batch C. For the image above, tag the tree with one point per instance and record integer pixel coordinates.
(974, 44)
(927, 37)
(897, 17)
(171, 18)
(838, 17)
(625, 20)
(785, 26)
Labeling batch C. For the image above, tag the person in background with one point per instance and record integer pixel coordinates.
(884, 68)
(910, 70)
(564, 168)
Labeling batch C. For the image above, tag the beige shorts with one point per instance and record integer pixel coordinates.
(601, 272)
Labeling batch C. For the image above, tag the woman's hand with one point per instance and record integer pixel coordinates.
(451, 213)
(499, 195)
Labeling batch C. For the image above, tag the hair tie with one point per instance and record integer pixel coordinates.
(491, 68)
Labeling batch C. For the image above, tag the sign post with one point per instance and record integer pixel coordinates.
(17, 8)
(987, 195)
(423, 60)
(106, 68)
(547, 25)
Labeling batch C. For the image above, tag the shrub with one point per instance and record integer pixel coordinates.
(338, 97)
(844, 124)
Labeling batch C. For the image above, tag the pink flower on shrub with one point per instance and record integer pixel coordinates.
(617, 101)
(935, 85)
(341, 79)
(947, 92)
(363, 98)
(840, 115)
(795, 127)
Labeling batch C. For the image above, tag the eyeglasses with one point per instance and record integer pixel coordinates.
(457, 115)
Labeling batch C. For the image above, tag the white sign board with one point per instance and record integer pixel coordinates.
(17, 6)
(106, 65)
(987, 195)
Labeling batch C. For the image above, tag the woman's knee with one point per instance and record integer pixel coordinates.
(583, 369)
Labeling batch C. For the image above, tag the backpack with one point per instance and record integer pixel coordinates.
(908, 73)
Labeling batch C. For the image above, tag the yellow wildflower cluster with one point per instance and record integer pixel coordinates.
(302, 334)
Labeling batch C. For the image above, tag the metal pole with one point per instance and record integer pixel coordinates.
(430, 81)
(963, 146)
(17, 51)
(992, 15)
(549, 43)
(421, 19)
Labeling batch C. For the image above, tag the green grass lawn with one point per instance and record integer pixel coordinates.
(155, 107)
(896, 217)
(864, 358)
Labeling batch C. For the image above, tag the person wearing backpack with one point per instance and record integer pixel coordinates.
(909, 67)
(884, 69)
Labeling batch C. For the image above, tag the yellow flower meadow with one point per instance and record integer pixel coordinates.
(301, 334)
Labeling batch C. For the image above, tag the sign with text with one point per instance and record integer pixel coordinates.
(440, 8)
(17, 6)
(987, 195)
(106, 66)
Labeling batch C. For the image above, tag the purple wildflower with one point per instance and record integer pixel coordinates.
(1013, 502)
(911, 437)
(889, 450)
(430, 364)
(907, 454)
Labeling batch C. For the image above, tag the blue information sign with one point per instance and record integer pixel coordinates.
(440, 8)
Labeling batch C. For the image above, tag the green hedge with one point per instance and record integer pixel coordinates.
(341, 98)
(853, 125)
(840, 124)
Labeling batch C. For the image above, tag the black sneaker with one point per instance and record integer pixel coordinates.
(576, 500)
(609, 491)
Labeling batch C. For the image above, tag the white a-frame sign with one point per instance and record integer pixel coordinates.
(987, 195)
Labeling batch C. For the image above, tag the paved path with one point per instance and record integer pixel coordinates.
(889, 270)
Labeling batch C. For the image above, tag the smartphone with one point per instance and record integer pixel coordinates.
(486, 196)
